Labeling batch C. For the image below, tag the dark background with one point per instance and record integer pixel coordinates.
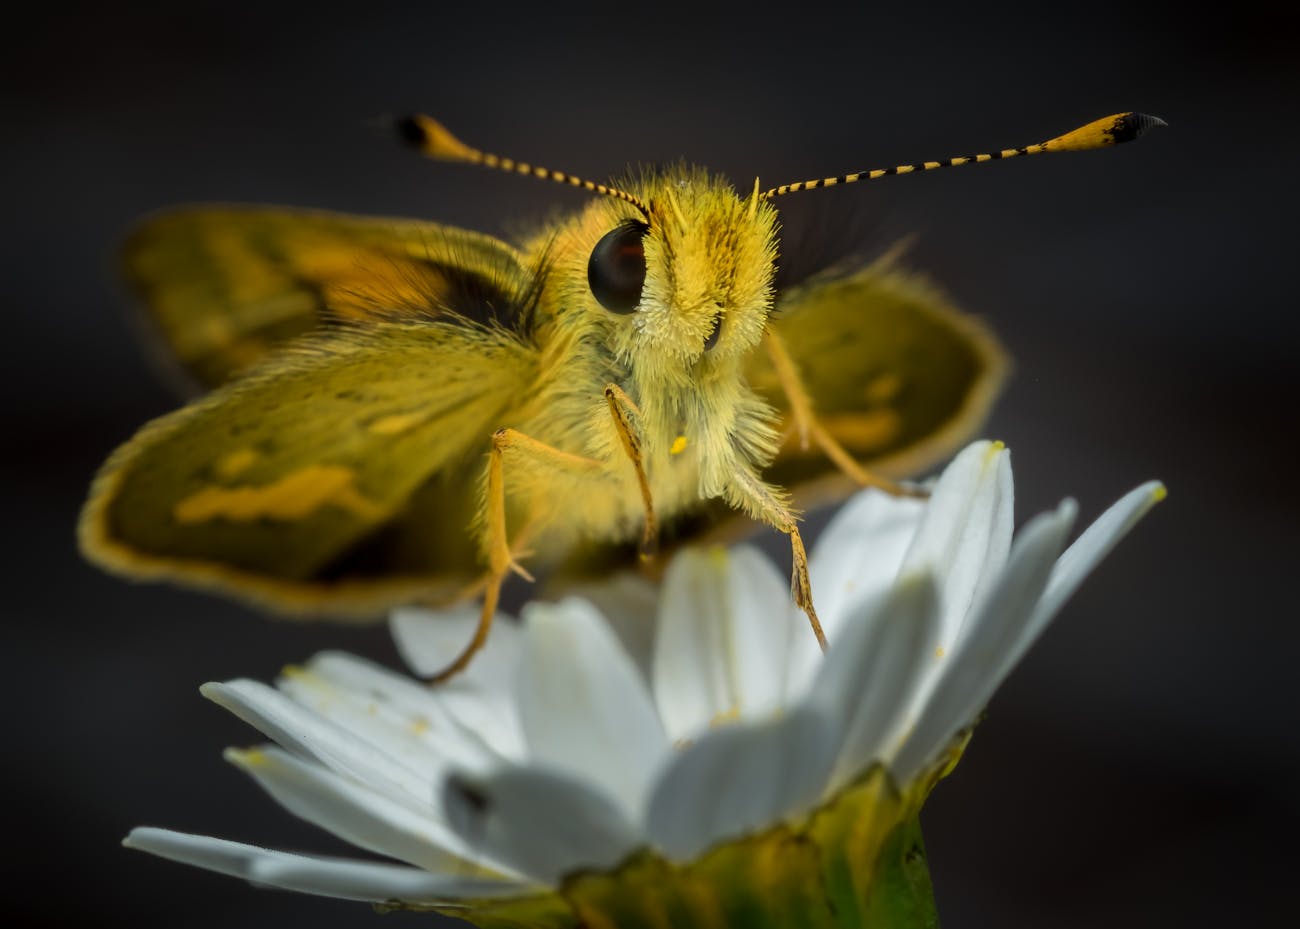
(1140, 767)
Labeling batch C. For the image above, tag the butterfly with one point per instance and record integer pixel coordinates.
(398, 410)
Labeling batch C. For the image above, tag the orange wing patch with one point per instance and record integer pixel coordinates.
(295, 496)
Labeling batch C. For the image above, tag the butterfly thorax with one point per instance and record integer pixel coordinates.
(677, 354)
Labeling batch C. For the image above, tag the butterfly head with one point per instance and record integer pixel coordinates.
(686, 281)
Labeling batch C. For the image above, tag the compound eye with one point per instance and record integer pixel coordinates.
(616, 271)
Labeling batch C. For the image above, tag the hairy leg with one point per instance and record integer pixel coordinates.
(808, 427)
(522, 448)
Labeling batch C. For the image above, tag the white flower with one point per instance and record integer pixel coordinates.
(569, 758)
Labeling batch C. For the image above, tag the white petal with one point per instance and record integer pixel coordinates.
(421, 726)
(764, 627)
(544, 824)
(1077, 562)
(986, 654)
(726, 629)
(875, 668)
(481, 696)
(386, 728)
(379, 883)
(740, 778)
(355, 813)
(629, 603)
(220, 855)
(966, 531)
(858, 554)
(429, 640)
(331, 877)
(584, 707)
(309, 735)
(453, 717)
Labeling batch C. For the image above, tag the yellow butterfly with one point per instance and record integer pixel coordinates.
(395, 404)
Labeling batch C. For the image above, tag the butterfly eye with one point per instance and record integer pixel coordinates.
(616, 271)
(711, 339)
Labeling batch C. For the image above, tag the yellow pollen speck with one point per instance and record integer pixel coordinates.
(419, 726)
(939, 652)
(235, 463)
(995, 448)
(246, 758)
(1159, 493)
(293, 497)
(395, 424)
(721, 719)
(678, 446)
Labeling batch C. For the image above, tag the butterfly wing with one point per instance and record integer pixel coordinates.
(222, 285)
(897, 375)
(339, 477)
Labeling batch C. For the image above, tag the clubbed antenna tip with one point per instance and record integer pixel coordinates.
(1109, 130)
(433, 140)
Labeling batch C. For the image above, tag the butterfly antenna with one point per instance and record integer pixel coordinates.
(1111, 130)
(432, 139)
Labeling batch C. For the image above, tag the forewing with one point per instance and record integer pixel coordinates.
(298, 485)
(221, 285)
(897, 375)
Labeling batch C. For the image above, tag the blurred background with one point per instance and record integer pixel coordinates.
(1139, 769)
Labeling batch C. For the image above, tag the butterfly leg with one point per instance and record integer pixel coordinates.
(808, 427)
(750, 493)
(622, 409)
(500, 560)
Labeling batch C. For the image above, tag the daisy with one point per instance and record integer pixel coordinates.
(680, 758)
